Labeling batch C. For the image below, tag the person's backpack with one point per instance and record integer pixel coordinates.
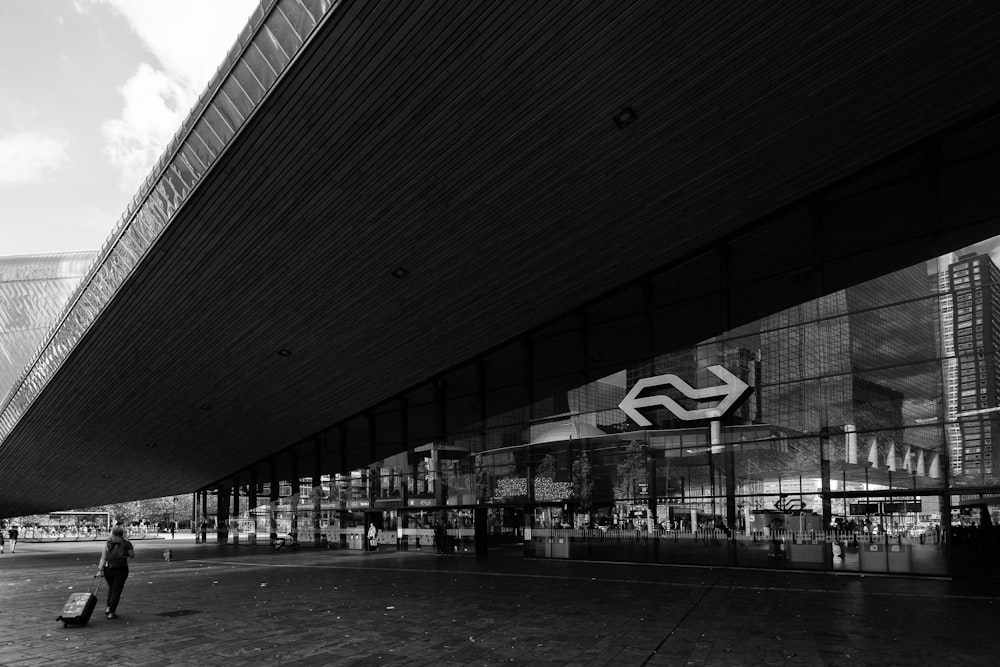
(117, 554)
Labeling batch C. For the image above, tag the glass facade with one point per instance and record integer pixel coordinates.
(865, 445)
(34, 292)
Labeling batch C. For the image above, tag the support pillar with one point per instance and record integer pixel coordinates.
(236, 509)
(252, 507)
(296, 495)
(435, 473)
(194, 516)
(651, 494)
(273, 505)
(824, 458)
(317, 493)
(204, 515)
(222, 514)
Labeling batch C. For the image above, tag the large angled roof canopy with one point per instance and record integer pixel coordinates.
(767, 153)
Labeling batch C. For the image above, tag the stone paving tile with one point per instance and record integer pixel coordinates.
(255, 606)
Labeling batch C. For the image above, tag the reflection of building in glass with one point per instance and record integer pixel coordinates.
(949, 363)
(33, 291)
(836, 461)
(975, 295)
(806, 363)
(863, 360)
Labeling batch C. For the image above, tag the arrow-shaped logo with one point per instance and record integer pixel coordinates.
(732, 391)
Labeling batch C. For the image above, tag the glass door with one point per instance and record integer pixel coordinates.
(894, 534)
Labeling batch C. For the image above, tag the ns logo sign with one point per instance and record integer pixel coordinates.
(729, 394)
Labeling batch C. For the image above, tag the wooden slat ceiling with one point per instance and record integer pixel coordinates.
(472, 144)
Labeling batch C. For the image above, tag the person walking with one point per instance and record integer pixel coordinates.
(439, 535)
(1, 540)
(13, 537)
(373, 537)
(114, 567)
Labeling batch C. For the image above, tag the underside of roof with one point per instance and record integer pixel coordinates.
(429, 181)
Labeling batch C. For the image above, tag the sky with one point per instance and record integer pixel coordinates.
(91, 92)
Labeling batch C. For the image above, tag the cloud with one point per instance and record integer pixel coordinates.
(188, 37)
(189, 40)
(26, 156)
(155, 105)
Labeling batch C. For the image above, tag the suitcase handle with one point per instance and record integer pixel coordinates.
(95, 584)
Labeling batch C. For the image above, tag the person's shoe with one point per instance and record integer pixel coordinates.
(107, 610)
(112, 614)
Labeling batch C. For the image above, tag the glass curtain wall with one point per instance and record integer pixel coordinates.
(866, 445)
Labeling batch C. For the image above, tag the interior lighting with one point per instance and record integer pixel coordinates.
(625, 117)
(284, 352)
(399, 273)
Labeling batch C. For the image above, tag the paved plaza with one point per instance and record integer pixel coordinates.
(233, 605)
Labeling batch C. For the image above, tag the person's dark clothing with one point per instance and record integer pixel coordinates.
(439, 536)
(115, 576)
(117, 551)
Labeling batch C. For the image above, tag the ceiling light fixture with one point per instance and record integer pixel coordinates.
(284, 352)
(400, 273)
(206, 408)
(151, 444)
(625, 117)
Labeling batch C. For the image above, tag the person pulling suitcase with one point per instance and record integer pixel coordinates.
(114, 566)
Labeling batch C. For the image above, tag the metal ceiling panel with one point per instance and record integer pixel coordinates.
(474, 146)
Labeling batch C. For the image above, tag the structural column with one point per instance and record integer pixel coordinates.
(273, 504)
(194, 515)
(236, 510)
(252, 507)
(204, 515)
(222, 514)
(317, 492)
(824, 456)
(296, 494)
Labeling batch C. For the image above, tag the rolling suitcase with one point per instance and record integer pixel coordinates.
(80, 606)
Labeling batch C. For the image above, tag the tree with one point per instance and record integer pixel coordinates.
(583, 482)
(546, 468)
(631, 471)
(484, 489)
(151, 510)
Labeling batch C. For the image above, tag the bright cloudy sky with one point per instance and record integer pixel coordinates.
(91, 92)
